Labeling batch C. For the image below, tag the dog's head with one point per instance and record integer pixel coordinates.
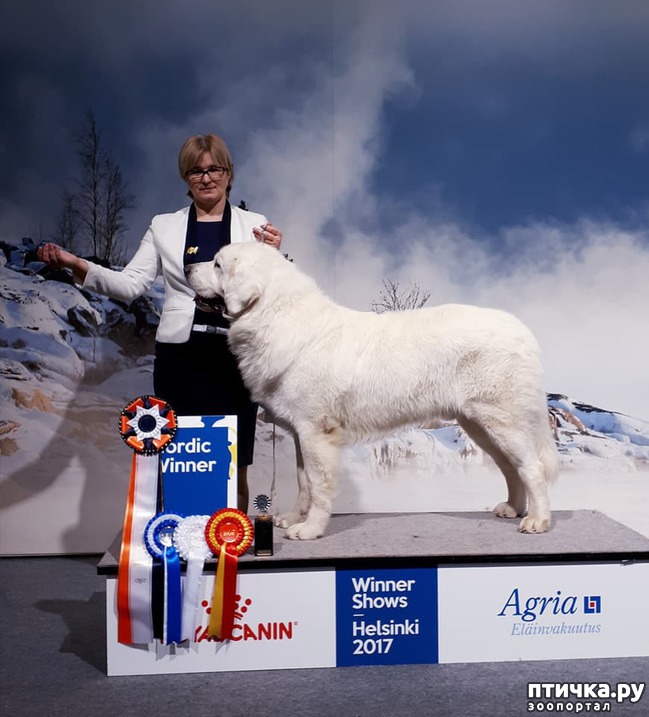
(235, 274)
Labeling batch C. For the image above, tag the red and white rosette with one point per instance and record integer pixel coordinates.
(189, 539)
(229, 533)
(147, 425)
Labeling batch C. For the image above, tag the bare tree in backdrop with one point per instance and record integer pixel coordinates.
(66, 231)
(92, 217)
(393, 298)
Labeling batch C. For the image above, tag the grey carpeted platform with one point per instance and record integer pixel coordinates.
(429, 538)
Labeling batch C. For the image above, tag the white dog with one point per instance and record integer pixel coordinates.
(335, 376)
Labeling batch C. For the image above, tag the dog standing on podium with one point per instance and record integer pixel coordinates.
(335, 376)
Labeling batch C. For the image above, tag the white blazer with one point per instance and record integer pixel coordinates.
(161, 252)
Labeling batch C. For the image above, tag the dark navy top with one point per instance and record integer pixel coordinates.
(202, 242)
(207, 240)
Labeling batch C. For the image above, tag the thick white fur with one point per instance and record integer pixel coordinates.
(335, 376)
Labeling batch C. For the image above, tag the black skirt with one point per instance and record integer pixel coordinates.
(201, 378)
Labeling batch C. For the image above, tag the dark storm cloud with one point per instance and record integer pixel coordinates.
(524, 111)
(515, 108)
(137, 66)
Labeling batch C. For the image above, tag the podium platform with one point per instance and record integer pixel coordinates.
(418, 588)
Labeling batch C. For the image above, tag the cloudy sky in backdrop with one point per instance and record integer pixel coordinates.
(493, 152)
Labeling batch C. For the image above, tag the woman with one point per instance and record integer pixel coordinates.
(193, 369)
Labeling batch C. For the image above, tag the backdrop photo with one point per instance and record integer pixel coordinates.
(493, 154)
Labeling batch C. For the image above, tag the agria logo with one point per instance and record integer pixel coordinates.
(529, 608)
(592, 604)
(244, 629)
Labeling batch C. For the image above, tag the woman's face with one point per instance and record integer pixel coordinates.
(208, 188)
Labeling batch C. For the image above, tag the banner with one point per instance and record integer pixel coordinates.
(199, 468)
(386, 617)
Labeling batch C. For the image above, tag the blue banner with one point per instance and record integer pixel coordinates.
(386, 617)
(198, 467)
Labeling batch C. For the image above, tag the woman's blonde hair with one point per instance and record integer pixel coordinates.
(196, 146)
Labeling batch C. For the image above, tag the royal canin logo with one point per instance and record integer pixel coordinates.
(247, 630)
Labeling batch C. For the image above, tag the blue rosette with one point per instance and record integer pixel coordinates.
(159, 532)
(166, 602)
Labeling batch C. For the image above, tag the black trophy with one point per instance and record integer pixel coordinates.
(263, 526)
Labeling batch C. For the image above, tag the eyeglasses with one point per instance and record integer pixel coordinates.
(196, 174)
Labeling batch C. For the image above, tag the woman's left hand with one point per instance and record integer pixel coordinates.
(268, 234)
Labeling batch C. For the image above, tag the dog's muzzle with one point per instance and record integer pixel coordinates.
(215, 305)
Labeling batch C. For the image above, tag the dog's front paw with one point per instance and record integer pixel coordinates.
(529, 524)
(285, 520)
(504, 510)
(304, 531)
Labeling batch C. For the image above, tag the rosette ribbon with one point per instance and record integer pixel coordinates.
(189, 539)
(228, 533)
(146, 425)
(166, 597)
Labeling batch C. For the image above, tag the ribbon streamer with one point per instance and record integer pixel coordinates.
(134, 572)
(224, 596)
(173, 602)
(189, 541)
(228, 533)
(159, 542)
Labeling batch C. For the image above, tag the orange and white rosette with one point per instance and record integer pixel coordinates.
(147, 424)
(229, 533)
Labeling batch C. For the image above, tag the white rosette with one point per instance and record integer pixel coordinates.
(189, 540)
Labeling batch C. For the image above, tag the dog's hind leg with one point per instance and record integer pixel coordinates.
(303, 500)
(545, 468)
(321, 452)
(515, 441)
(516, 501)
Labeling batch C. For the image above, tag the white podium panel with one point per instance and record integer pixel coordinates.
(306, 618)
(493, 613)
(282, 620)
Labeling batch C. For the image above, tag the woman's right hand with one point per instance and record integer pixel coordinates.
(53, 255)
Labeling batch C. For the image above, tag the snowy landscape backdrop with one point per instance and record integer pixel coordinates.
(70, 360)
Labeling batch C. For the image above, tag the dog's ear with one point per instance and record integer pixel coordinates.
(241, 289)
